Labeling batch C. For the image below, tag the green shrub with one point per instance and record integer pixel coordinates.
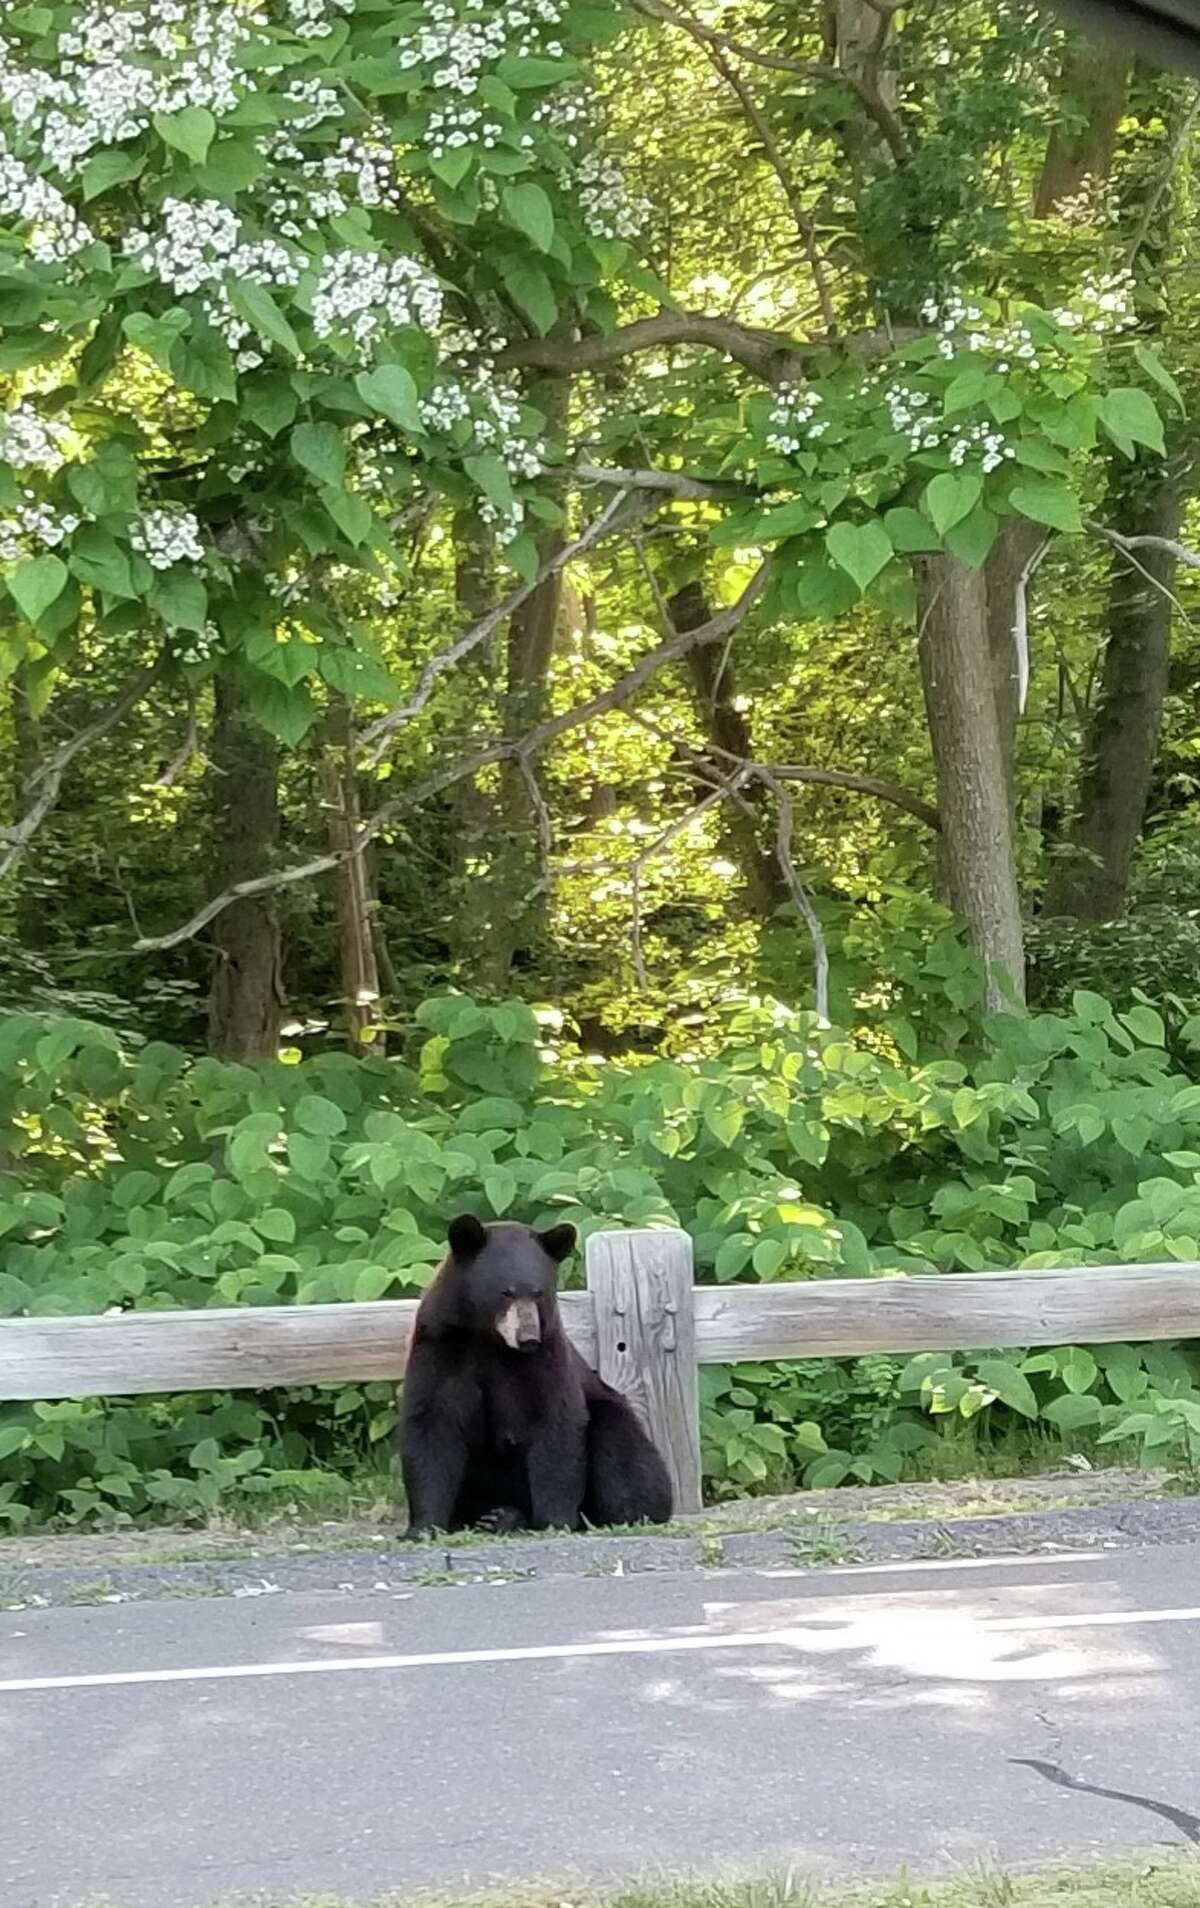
(139, 1177)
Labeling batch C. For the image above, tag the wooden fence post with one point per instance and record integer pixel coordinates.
(641, 1287)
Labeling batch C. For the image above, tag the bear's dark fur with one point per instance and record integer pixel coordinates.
(502, 1421)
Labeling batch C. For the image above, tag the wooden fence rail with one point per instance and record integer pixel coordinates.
(641, 1322)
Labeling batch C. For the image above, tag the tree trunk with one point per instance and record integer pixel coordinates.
(514, 905)
(715, 687)
(475, 589)
(964, 726)
(27, 750)
(1014, 546)
(1091, 878)
(245, 1003)
(1092, 90)
(356, 903)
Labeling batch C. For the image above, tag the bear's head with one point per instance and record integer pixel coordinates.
(505, 1279)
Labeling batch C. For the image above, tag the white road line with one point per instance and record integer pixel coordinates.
(1032, 1560)
(793, 1637)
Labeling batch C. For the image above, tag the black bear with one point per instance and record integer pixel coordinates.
(503, 1422)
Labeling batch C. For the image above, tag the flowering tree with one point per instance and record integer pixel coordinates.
(273, 279)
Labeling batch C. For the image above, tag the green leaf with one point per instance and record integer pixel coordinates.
(318, 449)
(37, 583)
(275, 1223)
(190, 131)
(861, 549)
(910, 531)
(1049, 501)
(521, 71)
(180, 599)
(724, 1122)
(1155, 369)
(532, 293)
(391, 391)
(1132, 1134)
(352, 515)
(965, 390)
(491, 474)
(1010, 1385)
(108, 169)
(1146, 1026)
(1073, 1412)
(971, 540)
(786, 520)
(308, 1154)
(257, 305)
(98, 559)
(157, 337)
(769, 1256)
(452, 167)
(269, 402)
(284, 710)
(1078, 1369)
(951, 497)
(1129, 416)
(527, 207)
(315, 1114)
(201, 362)
(500, 1189)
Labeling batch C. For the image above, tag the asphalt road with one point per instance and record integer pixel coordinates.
(169, 1754)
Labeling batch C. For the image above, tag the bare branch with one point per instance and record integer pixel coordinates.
(1182, 134)
(675, 483)
(189, 746)
(771, 355)
(45, 783)
(1020, 628)
(1180, 551)
(545, 828)
(892, 792)
(804, 907)
(527, 746)
(879, 111)
(757, 120)
(621, 511)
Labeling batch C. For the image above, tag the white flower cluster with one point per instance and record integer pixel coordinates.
(356, 172)
(116, 67)
(790, 424)
(30, 442)
(316, 103)
(904, 409)
(494, 409)
(508, 521)
(198, 647)
(56, 232)
(964, 327)
(461, 42)
(1102, 305)
(165, 536)
(314, 19)
(992, 445)
(454, 126)
(361, 296)
(34, 526)
(200, 247)
(444, 407)
(608, 207)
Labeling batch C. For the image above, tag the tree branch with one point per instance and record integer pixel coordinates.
(675, 483)
(771, 355)
(1180, 551)
(876, 108)
(526, 746)
(621, 511)
(783, 850)
(45, 783)
(757, 120)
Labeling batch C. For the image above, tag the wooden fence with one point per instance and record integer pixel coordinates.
(641, 1322)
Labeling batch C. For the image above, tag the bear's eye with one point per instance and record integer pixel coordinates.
(508, 1293)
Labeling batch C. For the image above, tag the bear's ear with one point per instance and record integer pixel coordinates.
(558, 1242)
(466, 1236)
